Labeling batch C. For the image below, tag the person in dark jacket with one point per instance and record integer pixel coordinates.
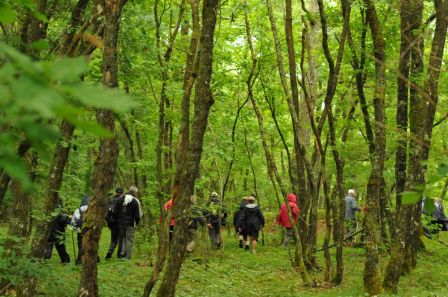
(252, 221)
(238, 224)
(129, 214)
(112, 222)
(215, 214)
(195, 220)
(283, 218)
(57, 238)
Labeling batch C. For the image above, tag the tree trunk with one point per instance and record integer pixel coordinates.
(164, 140)
(299, 263)
(331, 89)
(106, 162)
(183, 141)
(422, 106)
(375, 190)
(190, 165)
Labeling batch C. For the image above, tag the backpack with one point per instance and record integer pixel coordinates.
(112, 211)
(214, 209)
(80, 221)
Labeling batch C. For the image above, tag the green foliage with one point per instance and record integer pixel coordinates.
(34, 92)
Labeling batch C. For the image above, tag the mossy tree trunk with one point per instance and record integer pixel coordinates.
(106, 162)
(372, 274)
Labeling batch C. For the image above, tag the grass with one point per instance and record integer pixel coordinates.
(236, 272)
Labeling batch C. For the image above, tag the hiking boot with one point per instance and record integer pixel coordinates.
(246, 247)
(241, 244)
(108, 255)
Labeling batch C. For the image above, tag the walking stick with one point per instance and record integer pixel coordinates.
(73, 243)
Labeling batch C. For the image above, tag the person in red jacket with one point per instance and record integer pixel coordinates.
(166, 207)
(283, 219)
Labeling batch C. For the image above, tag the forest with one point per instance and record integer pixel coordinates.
(153, 143)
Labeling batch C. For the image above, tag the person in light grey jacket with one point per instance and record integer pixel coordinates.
(351, 207)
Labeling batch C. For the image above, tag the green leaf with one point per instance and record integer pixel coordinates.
(67, 69)
(428, 207)
(40, 45)
(16, 168)
(92, 128)
(409, 197)
(442, 170)
(101, 97)
(7, 14)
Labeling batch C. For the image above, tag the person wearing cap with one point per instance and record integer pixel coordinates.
(194, 221)
(351, 207)
(215, 215)
(252, 221)
(112, 222)
(239, 229)
(283, 218)
(129, 214)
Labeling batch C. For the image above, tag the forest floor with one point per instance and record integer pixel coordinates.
(235, 272)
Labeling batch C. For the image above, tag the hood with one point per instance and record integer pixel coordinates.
(85, 200)
(292, 198)
(251, 205)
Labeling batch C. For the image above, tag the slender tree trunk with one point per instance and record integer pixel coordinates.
(164, 140)
(183, 141)
(299, 263)
(106, 162)
(203, 101)
(331, 89)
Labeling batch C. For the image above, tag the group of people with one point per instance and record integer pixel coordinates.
(123, 215)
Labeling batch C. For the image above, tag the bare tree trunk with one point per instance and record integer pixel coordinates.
(106, 162)
(125, 129)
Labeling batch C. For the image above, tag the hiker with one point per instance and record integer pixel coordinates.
(439, 218)
(283, 218)
(215, 214)
(194, 221)
(237, 216)
(129, 214)
(77, 222)
(166, 208)
(252, 221)
(57, 238)
(112, 222)
(351, 207)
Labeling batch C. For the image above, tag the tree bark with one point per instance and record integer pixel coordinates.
(422, 106)
(375, 186)
(299, 263)
(203, 101)
(106, 162)
(183, 141)
(334, 69)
